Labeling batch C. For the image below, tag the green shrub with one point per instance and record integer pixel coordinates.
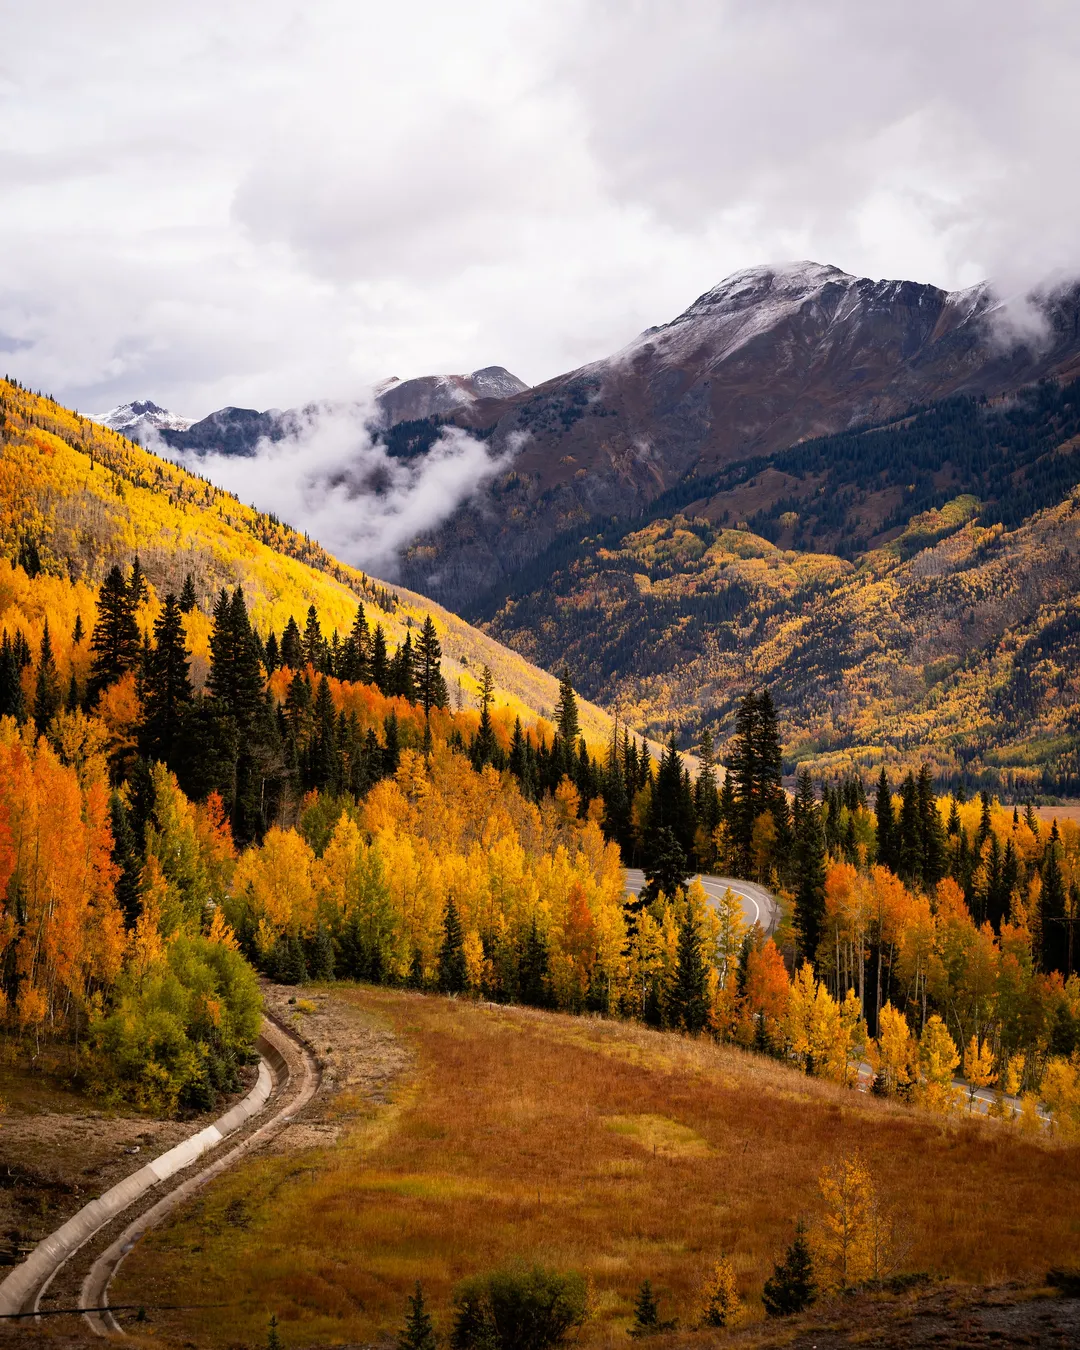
(176, 1034)
(518, 1309)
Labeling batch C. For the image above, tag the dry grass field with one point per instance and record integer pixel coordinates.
(582, 1144)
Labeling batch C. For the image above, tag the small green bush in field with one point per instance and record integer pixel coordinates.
(518, 1309)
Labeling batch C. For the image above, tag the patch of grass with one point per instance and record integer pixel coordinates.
(658, 1135)
(530, 1136)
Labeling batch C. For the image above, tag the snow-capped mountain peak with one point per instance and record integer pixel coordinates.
(134, 420)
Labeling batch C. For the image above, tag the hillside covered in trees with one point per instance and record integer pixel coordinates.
(202, 781)
(952, 637)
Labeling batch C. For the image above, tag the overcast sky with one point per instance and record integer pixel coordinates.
(263, 203)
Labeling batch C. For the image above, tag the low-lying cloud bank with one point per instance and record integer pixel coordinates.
(333, 479)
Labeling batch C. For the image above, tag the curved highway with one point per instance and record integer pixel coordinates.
(759, 905)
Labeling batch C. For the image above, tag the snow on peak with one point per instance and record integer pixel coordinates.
(139, 417)
(784, 281)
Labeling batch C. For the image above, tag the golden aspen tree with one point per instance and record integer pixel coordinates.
(938, 1058)
(892, 1055)
(720, 1295)
(842, 1239)
(978, 1068)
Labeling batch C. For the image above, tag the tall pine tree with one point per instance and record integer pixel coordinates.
(166, 685)
(48, 698)
(114, 644)
(430, 685)
(690, 990)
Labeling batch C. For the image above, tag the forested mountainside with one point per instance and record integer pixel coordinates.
(957, 642)
(213, 761)
(767, 359)
(76, 497)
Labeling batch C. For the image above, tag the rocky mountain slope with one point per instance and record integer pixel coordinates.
(434, 395)
(768, 358)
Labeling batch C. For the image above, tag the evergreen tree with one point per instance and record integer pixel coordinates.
(324, 758)
(380, 664)
(485, 748)
(617, 820)
(402, 680)
(706, 803)
(321, 965)
(137, 588)
(452, 973)
(690, 992)
(809, 858)
(647, 1313)
(292, 646)
(791, 1287)
(236, 682)
(73, 700)
(886, 826)
(997, 895)
(672, 806)
(114, 643)
(566, 713)
(271, 653)
(1054, 937)
(314, 644)
(78, 632)
(931, 832)
(666, 869)
(430, 685)
(755, 767)
(126, 854)
(520, 761)
(166, 685)
(235, 676)
(188, 599)
(356, 662)
(48, 698)
(533, 969)
(392, 747)
(909, 849)
(418, 1333)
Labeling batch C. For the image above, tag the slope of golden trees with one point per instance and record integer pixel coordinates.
(76, 497)
(955, 639)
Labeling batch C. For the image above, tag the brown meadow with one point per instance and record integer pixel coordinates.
(625, 1153)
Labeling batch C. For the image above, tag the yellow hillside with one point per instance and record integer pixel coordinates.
(84, 497)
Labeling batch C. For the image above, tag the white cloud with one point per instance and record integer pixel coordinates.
(226, 202)
(332, 479)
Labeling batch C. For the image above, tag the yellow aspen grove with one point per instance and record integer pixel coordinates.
(1061, 1093)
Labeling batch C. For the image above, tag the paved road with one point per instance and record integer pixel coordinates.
(759, 905)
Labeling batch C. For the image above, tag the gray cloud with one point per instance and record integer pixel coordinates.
(215, 204)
